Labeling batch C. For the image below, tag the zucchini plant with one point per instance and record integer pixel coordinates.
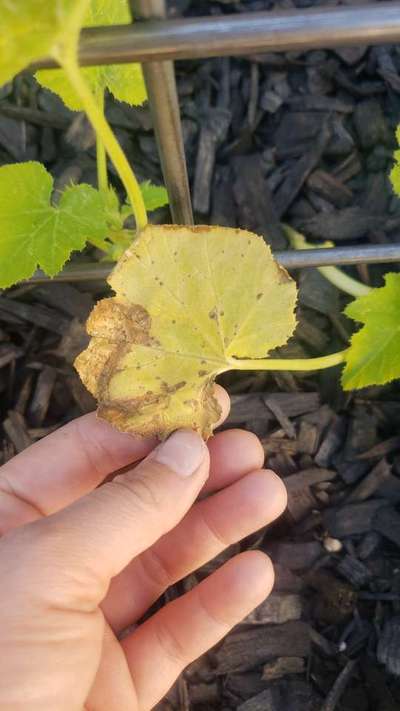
(190, 302)
(36, 229)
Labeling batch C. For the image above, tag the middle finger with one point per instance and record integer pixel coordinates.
(248, 503)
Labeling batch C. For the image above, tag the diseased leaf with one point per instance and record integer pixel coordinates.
(374, 354)
(125, 81)
(34, 233)
(189, 302)
(28, 30)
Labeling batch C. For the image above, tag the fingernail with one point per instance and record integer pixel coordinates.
(182, 452)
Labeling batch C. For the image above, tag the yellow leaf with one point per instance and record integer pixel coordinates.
(190, 302)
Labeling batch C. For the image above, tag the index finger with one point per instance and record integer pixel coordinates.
(69, 463)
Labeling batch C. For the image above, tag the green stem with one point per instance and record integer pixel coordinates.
(290, 363)
(103, 130)
(99, 243)
(336, 276)
(101, 155)
(344, 282)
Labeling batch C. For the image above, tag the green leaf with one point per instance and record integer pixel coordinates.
(33, 232)
(395, 177)
(374, 354)
(154, 196)
(112, 209)
(30, 29)
(124, 81)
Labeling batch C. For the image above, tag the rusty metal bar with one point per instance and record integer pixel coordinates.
(246, 33)
(164, 107)
(290, 259)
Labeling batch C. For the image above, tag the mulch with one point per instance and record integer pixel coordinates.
(306, 138)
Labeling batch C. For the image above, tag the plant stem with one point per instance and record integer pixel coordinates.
(336, 276)
(101, 155)
(289, 363)
(105, 133)
(344, 282)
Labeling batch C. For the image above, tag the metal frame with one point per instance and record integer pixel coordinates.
(157, 41)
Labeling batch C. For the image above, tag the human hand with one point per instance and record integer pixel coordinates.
(80, 563)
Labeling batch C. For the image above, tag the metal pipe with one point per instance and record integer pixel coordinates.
(246, 33)
(164, 107)
(339, 256)
(290, 259)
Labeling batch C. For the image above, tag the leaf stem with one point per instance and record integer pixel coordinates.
(101, 155)
(104, 132)
(336, 276)
(344, 282)
(290, 363)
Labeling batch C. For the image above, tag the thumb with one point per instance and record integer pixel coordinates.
(98, 535)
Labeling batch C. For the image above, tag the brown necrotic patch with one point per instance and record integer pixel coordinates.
(119, 322)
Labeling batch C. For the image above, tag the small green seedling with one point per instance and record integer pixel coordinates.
(190, 303)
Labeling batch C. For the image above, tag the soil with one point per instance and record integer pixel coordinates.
(305, 138)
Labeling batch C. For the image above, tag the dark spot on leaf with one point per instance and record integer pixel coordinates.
(213, 314)
(202, 373)
(259, 295)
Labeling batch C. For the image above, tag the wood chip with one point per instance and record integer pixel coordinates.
(66, 298)
(330, 188)
(388, 446)
(300, 497)
(299, 173)
(8, 353)
(249, 648)
(15, 427)
(353, 519)
(296, 556)
(262, 702)
(345, 224)
(331, 442)
(281, 666)
(372, 482)
(290, 694)
(42, 316)
(339, 686)
(354, 571)
(387, 522)
(41, 396)
(74, 340)
(276, 609)
(388, 651)
(252, 407)
(273, 404)
(214, 128)
(260, 216)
